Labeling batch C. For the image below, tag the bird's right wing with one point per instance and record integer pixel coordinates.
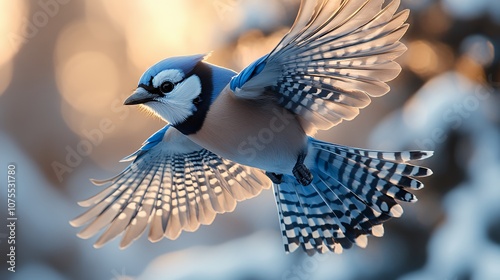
(337, 55)
(172, 184)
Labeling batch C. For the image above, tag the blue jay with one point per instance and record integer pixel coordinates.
(230, 135)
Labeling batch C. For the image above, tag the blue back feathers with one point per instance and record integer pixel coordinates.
(152, 141)
(249, 72)
(220, 78)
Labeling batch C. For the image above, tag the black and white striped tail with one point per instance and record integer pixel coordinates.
(353, 192)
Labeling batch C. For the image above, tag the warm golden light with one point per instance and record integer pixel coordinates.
(255, 44)
(166, 28)
(88, 81)
(427, 59)
(12, 15)
(423, 58)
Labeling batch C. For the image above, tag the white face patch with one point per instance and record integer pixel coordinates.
(171, 75)
(177, 105)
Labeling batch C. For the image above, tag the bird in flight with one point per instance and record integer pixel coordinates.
(230, 135)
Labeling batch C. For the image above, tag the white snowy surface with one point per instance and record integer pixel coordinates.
(451, 102)
(447, 102)
(260, 256)
(226, 261)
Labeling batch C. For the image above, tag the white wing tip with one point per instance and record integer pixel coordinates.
(98, 182)
(74, 223)
(361, 241)
(378, 230)
(397, 211)
(83, 235)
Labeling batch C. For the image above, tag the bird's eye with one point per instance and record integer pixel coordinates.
(166, 87)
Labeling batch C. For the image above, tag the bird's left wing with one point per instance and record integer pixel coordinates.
(172, 184)
(337, 55)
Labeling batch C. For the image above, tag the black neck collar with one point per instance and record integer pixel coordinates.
(194, 123)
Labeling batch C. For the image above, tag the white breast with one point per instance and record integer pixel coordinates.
(253, 133)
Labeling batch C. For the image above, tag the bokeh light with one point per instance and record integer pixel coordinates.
(153, 29)
(427, 58)
(88, 81)
(479, 48)
(13, 23)
(12, 27)
(87, 73)
(255, 44)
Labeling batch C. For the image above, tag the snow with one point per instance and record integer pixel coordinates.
(459, 246)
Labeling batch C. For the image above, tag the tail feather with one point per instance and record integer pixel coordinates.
(304, 218)
(353, 192)
(356, 175)
(358, 214)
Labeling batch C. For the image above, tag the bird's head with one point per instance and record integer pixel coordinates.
(178, 89)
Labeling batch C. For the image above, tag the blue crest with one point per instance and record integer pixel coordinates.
(183, 63)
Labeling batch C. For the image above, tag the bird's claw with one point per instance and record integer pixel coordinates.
(301, 172)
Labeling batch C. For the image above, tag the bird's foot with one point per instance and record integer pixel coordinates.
(301, 172)
(276, 178)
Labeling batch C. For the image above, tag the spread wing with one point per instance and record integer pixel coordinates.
(172, 184)
(337, 55)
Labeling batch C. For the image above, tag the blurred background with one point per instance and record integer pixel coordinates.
(66, 66)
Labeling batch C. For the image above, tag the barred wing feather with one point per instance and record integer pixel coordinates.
(172, 184)
(337, 55)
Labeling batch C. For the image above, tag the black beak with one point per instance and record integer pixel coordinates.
(140, 96)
